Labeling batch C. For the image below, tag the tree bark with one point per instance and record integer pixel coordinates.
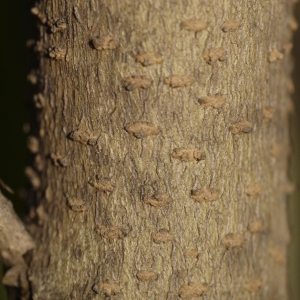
(163, 149)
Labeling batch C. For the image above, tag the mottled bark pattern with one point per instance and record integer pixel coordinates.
(84, 90)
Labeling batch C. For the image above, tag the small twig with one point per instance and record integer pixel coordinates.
(6, 187)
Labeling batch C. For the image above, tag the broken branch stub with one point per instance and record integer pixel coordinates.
(14, 239)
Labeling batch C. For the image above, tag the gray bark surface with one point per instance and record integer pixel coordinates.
(183, 177)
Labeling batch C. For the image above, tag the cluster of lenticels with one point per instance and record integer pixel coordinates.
(144, 129)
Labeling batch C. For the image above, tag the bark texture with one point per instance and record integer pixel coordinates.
(163, 149)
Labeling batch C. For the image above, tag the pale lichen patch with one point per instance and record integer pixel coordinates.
(215, 101)
(193, 290)
(188, 154)
(179, 81)
(149, 58)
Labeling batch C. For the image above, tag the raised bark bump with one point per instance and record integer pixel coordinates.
(150, 58)
(104, 184)
(108, 288)
(194, 25)
(275, 55)
(89, 84)
(213, 55)
(136, 81)
(111, 232)
(215, 101)
(33, 144)
(276, 150)
(146, 276)
(39, 100)
(255, 226)
(241, 127)
(106, 42)
(192, 253)
(278, 254)
(58, 25)
(195, 289)
(158, 199)
(142, 129)
(77, 204)
(269, 113)
(254, 189)
(204, 195)
(293, 23)
(162, 236)
(57, 53)
(188, 154)
(232, 240)
(253, 285)
(84, 137)
(231, 25)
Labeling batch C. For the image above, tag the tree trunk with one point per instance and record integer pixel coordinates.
(163, 149)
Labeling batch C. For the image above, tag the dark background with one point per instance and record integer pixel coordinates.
(17, 26)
